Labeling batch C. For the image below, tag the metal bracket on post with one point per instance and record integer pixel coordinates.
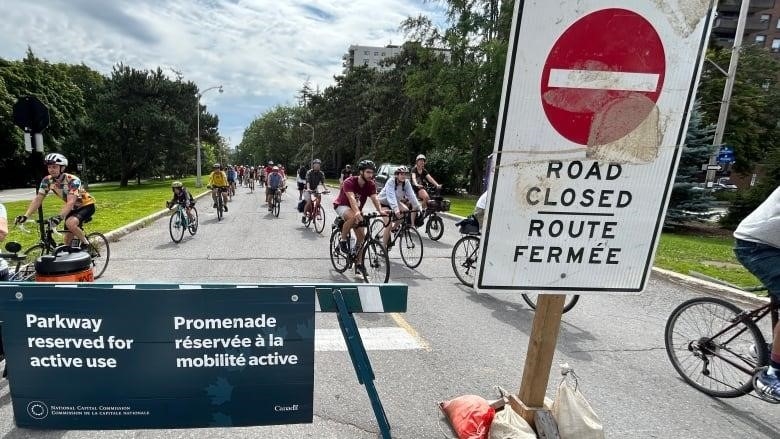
(360, 361)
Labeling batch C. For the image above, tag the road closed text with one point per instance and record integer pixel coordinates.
(575, 220)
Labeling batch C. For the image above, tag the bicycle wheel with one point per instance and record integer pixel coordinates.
(319, 219)
(193, 227)
(376, 228)
(27, 267)
(568, 304)
(703, 362)
(100, 253)
(219, 207)
(339, 260)
(464, 259)
(175, 226)
(434, 228)
(376, 261)
(411, 247)
(277, 205)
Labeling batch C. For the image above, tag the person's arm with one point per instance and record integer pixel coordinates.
(390, 195)
(411, 196)
(377, 205)
(414, 178)
(431, 180)
(68, 206)
(35, 204)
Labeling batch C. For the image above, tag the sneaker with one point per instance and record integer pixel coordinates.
(344, 247)
(225, 207)
(360, 271)
(767, 386)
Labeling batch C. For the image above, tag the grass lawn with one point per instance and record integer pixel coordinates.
(681, 253)
(115, 207)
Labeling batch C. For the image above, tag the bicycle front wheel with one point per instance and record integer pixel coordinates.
(339, 260)
(100, 253)
(464, 259)
(709, 363)
(193, 227)
(376, 261)
(568, 304)
(434, 227)
(277, 205)
(411, 247)
(219, 207)
(176, 227)
(26, 268)
(319, 219)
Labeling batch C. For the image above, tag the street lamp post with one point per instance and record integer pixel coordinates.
(218, 87)
(312, 139)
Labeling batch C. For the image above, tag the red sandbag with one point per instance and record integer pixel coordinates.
(470, 416)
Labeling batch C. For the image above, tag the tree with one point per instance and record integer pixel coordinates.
(688, 201)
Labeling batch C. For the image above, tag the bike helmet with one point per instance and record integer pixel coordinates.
(401, 170)
(217, 166)
(275, 168)
(270, 163)
(420, 157)
(55, 159)
(316, 162)
(176, 184)
(366, 164)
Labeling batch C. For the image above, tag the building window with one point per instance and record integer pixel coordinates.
(376, 53)
(365, 52)
(776, 45)
(765, 18)
(365, 61)
(383, 53)
(760, 39)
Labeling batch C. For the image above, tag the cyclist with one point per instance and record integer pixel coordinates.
(79, 204)
(218, 182)
(267, 171)
(396, 196)
(420, 177)
(251, 176)
(183, 197)
(345, 173)
(274, 182)
(302, 171)
(232, 175)
(241, 171)
(312, 180)
(758, 249)
(479, 209)
(349, 205)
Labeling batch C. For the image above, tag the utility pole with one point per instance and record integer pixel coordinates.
(724, 104)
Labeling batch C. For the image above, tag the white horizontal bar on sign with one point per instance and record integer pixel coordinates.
(374, 339)
(603, 80)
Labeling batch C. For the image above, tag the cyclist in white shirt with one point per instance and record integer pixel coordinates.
(397, 196)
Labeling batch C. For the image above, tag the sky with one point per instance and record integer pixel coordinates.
(260, 51)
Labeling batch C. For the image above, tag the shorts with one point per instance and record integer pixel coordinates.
(342, 210)
(83, 213)
(417, 189)
(269, 191)
(763, 261)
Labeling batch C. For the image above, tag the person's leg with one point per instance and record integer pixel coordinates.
(423, 195)
(360, 232)
(72, 223)
(225, 199)
(214, 191)
(388, 225)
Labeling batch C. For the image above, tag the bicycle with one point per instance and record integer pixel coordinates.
(319, 218)
(409, 236)
(220, 202)
(180, 221)
(20, 268)
(372, 252)
(465, 257)
(717, 347)
(231, 190)
(434, 224)
(98, 248)
(276, 202)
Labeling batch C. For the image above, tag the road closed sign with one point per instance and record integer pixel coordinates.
(594, 112)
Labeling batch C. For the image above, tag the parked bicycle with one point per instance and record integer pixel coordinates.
(465, 261)
(371, 251)
(410, 242)
(717, 347)
(434, 224)
(21, 268)
(316, 213)
(98, 248)
(180, 221)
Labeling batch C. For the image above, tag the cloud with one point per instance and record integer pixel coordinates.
(261, 51)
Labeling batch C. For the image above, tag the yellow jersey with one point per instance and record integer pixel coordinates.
(218, 179)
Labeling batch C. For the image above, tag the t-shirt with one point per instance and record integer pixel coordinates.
(314, 179)
(218, 179)
(231, 175)
(268, 170)
(361, 192)
(421, 176)
(275, 180)
(184, 198)
(345, 174)
(67, 184)
(763, 224)
(482, 202)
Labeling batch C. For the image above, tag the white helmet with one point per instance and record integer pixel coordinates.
(420, 157)
(55, 159)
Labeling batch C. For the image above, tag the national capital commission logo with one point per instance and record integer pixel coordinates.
(37, 410)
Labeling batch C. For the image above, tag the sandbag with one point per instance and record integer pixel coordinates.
(469, 415)
(507, 424)
(574, 415)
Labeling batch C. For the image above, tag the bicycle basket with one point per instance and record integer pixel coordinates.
(468, 226)
(445, 206)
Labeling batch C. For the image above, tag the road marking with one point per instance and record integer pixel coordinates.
(401, 321)
(603, 80)
(374, 339)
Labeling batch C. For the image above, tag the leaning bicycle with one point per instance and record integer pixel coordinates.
(376, 262)
(465, 262)
(717, 347)
(97, 246)
(180, 222)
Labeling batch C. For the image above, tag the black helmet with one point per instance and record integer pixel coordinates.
(366, 164)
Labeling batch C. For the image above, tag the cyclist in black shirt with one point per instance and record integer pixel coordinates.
(420, 177)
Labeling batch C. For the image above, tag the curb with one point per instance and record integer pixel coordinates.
(703, 286)
(115, 234)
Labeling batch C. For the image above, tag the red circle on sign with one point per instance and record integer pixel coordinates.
(609, 64)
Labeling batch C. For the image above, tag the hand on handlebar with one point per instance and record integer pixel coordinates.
(21, 219)
(55, 220)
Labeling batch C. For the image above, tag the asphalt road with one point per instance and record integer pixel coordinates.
(462, 342)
